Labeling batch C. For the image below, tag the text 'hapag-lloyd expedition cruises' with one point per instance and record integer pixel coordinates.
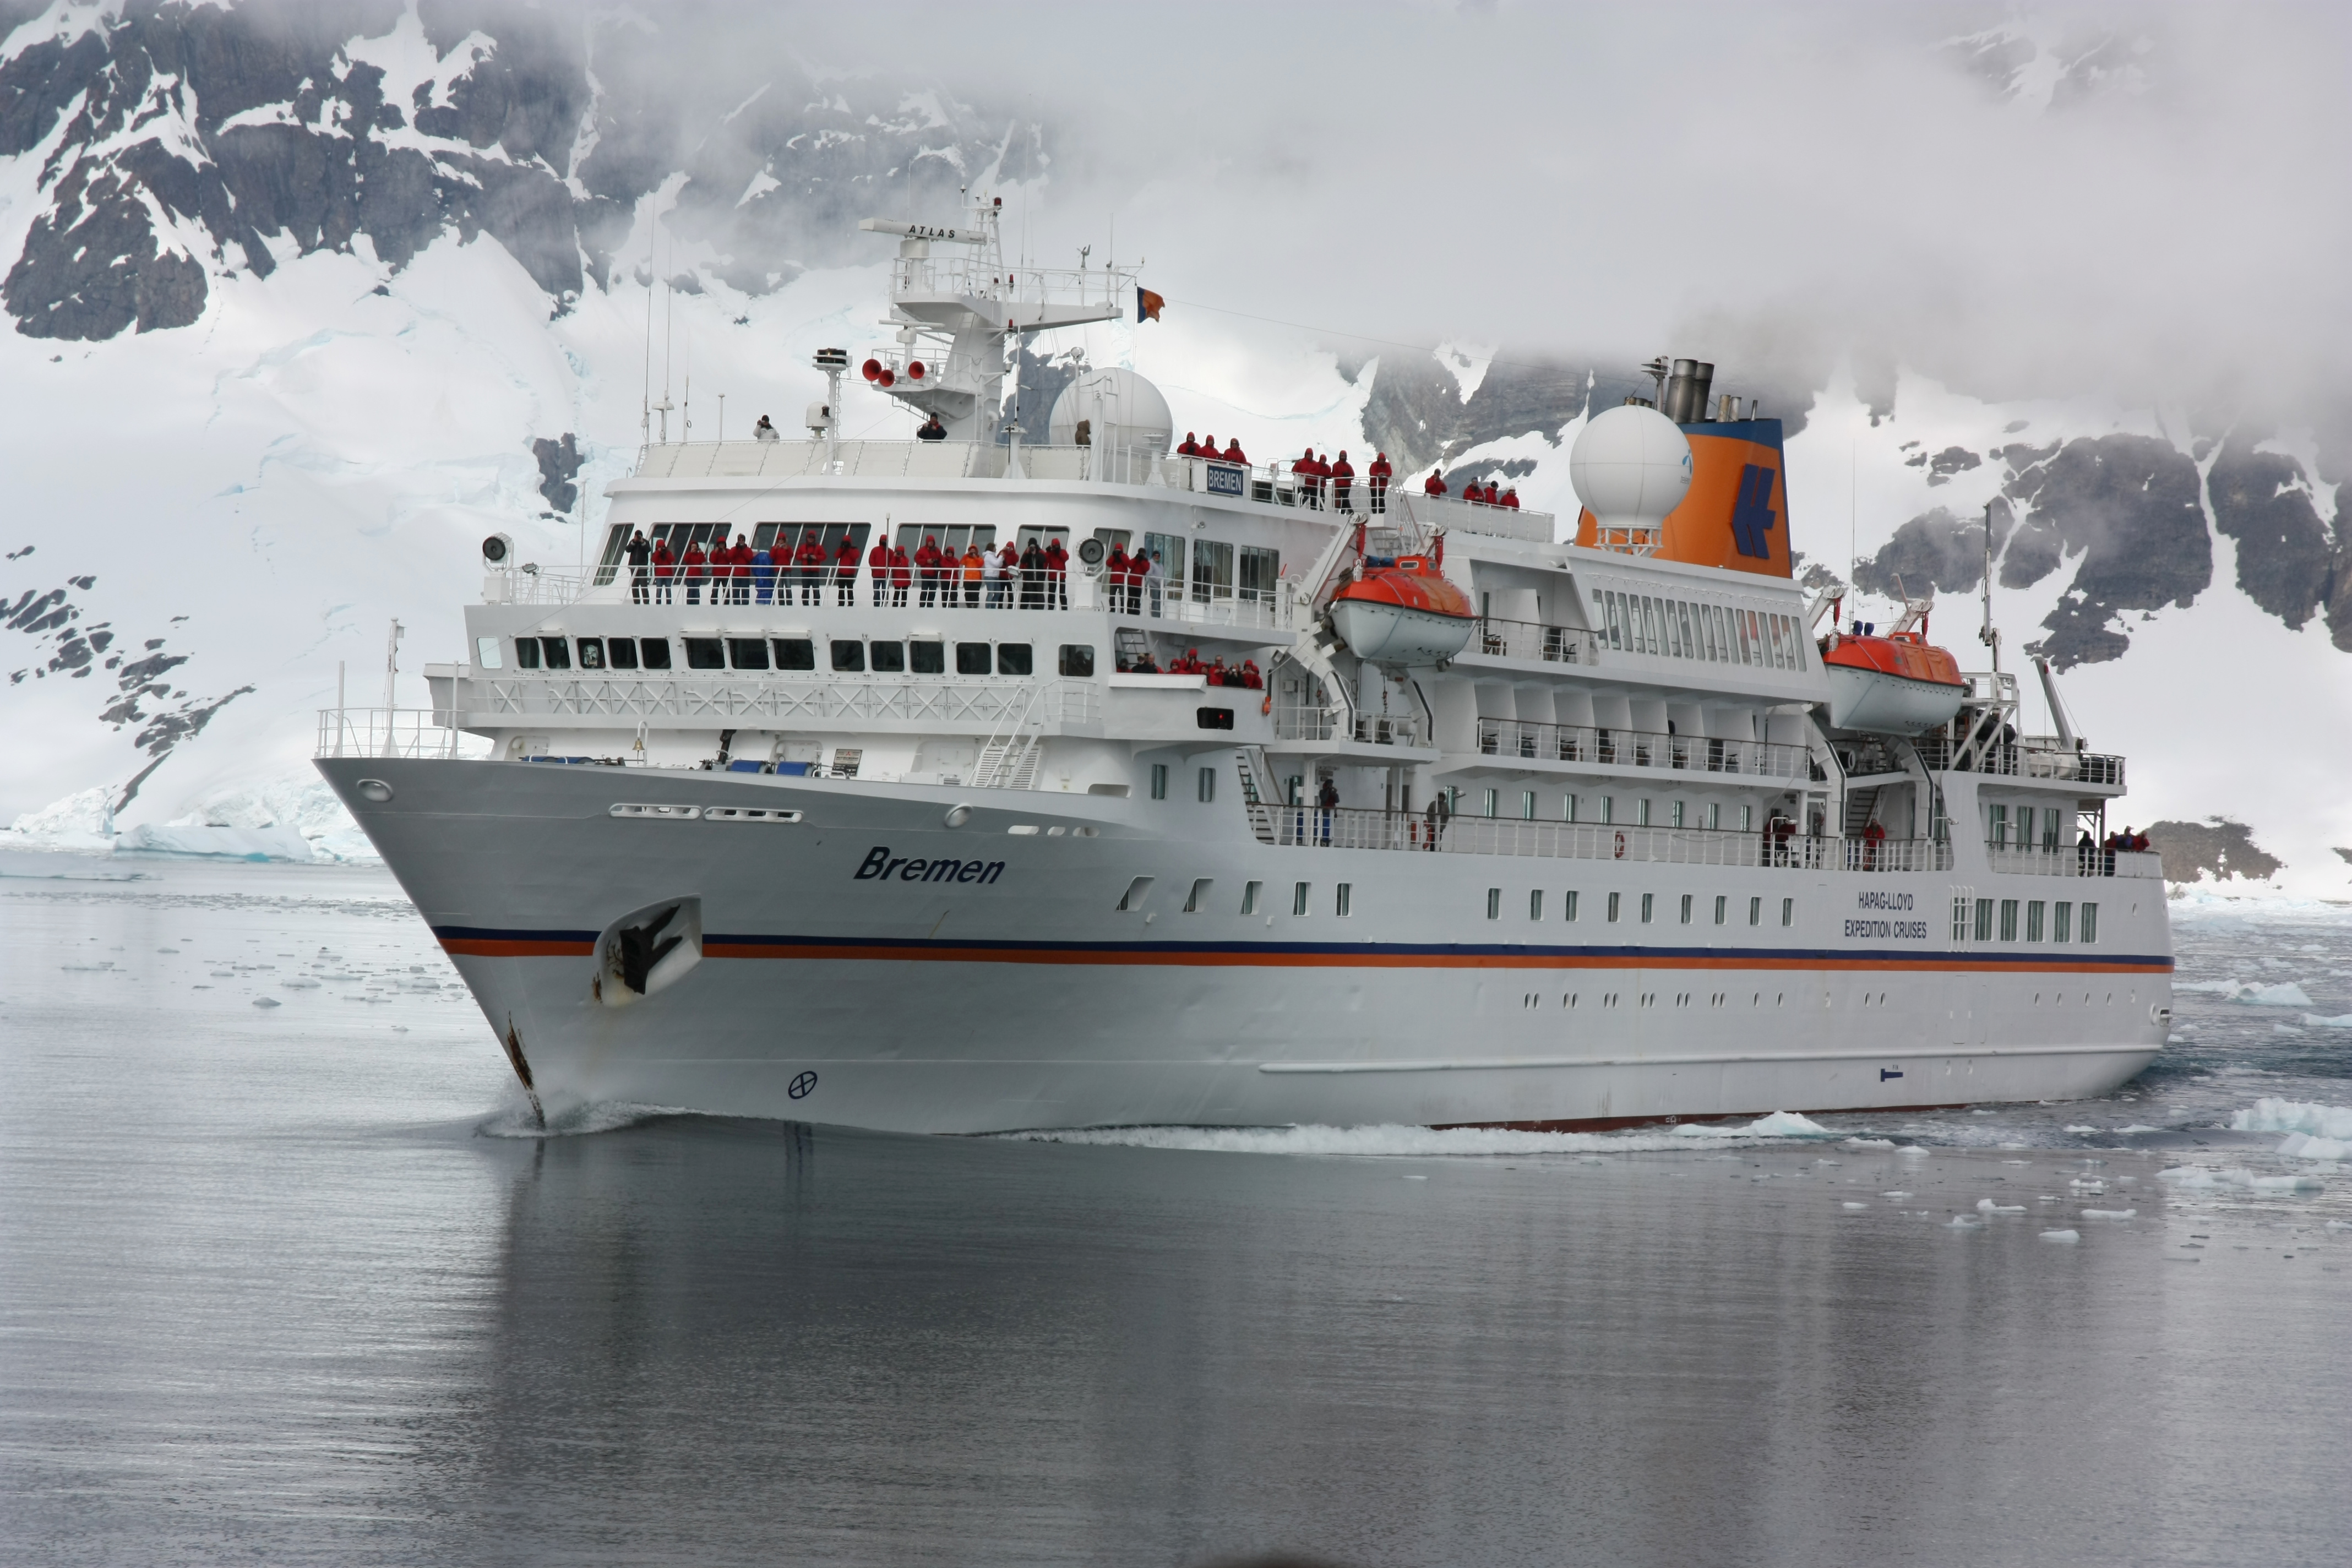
(920, 812)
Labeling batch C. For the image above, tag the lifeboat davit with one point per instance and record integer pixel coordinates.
(1402, 612)
(1895, 685)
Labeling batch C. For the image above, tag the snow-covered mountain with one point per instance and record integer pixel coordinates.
(307, 300)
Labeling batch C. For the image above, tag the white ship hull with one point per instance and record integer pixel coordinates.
(1022, 997)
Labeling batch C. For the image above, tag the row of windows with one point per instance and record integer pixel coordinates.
(1205, 782)
(848, 655)
(2000, 830)
(1198, 901)
(1602, 808)
(1976, 918)
(1719, 633)
(1570, 903)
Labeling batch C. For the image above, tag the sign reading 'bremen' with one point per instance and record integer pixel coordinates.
(879, 864)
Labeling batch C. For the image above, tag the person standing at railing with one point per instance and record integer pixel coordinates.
(640, 555)
(763, 576)
(1057, 573)
(972, 567)
(694, 570)
(1208, 448)
(1233, 453)
(1251, 680)
(1327, 801)
(927, 568)
(1435, 484)
(763, 431)
(1191, 448)
(1032, 577)
(878, 572)
(1343, 481)
(742, 556)
(1115, 579)
(1155, 583)
(1377, 474)
(902, 576)
(992, 576)
(845, 572)
(1871, 838)
(1511, 499)
(1302, 480)
(665, 568)
(809, 559)
(932, 430)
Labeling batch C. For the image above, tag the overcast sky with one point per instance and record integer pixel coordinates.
(2145, 201)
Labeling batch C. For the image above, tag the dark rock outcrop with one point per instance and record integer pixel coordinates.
(2128, 506)
(558, 467)
(2218, 847)
(2286, 562)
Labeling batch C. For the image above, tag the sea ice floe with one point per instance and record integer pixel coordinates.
(2197, 1178)
(1965, 1221)
(2314, 1131)
(268, 1002)
(1856, 1205)
(1870, 1143)
(2110, 1214)
(2062, 1235)
(2137, 1127)
(1986, 1206)
(2081, 1129)
(2303, 1146)
(2286, 993)
(2342, 1022)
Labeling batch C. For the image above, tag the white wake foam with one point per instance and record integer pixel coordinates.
(514, 1120)
(1413, 1141)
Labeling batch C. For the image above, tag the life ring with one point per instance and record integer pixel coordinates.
(1621, 846)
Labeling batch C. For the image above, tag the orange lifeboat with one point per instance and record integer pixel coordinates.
(1402, 612)
(1899, 684)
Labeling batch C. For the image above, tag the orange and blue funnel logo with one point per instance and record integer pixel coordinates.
(1736, 514)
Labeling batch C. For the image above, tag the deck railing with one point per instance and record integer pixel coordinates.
(1534, 741)
(2074, 860)
(1526, 639)
(1347, 827)
(2024, 760)
(385, 732)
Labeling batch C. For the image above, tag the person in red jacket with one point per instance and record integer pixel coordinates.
(1252, 678)
(926, 567)
(1234, 452)
(809, 559)
(1377, 475)
(845, 572)
(697, 564)
(1492, 498)
(1191, 448)
(1343, 481)
(1208, 448)
(1433, 485)
(1302, 481)
(665, 569)
(902, 576)
(877, 571)
(1114, 578)
(1057, 575)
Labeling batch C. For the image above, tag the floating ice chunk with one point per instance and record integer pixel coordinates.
(1857, 1206)
(2303, 1146)
(2295, 1116)
(2343, 1021)
(2137, 1127)
(1965, 1221)
(1913, 1149)
(1416, 1178)
(1894, 1195)
(2017, 1162)
(1986, 1206)
(2110, 1214)
(2196, 1178)
(2062, 1235)
(2080, 1129)
(1870, 1143)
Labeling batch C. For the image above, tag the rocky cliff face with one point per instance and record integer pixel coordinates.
(178, 138)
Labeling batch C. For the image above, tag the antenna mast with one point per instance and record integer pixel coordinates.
(1988, 634)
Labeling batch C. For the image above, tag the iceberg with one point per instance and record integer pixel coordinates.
(262, 843)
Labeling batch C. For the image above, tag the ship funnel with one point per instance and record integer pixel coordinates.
(1631, 466)
(1687, 390)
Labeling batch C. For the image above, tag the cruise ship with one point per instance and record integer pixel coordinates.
(1520, 821)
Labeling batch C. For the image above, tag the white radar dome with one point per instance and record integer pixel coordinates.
(1629, 466)
(1122, 410)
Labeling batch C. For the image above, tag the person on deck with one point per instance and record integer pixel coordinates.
(1208, 448)
(927, 568)
(971, 567)
(1327, 801)
(696, 568)
(763, 431)
(665, 568)
(1302, 479)
(1434, 485)
(845, 572)
(1191, 448)
(1032, 577)
(763, 578)
(1253, 679)
(810, 558)
(902, 576)
(1155, 582)
(1511, 497)
(1233, 453)
(932, 430)
(1871, 838)
(1492, 496)
(1115, 579)
(1377, 474)
(640, 553)
(877, 572)
(1343, 481)
(991, 577)
(1057, 575)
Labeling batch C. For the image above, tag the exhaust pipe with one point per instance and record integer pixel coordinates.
(1687, 390)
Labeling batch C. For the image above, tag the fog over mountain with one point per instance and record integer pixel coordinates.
(306, 299)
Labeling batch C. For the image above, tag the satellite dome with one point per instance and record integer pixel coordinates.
(1629, 466)
(1122, 410)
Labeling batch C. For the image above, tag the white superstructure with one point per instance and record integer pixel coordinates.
(793, 843)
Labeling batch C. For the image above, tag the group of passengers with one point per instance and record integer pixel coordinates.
(1319, 477)
(1127, 578)
(1207, 446)
(1476, 494)
(1036, 577)
(1244, 676)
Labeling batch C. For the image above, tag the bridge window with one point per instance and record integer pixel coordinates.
(591, 653)
(621, 652)
(1077, 660)
(655, 652)
(1012, 658)
(526, 653)
(705, 653)
(795, 653)
(973, 659)
(748, 653)
(557, 651)
(886, 658)
(927, 657)
(848, 656)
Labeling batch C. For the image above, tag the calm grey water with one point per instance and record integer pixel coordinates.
(278, 1285)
